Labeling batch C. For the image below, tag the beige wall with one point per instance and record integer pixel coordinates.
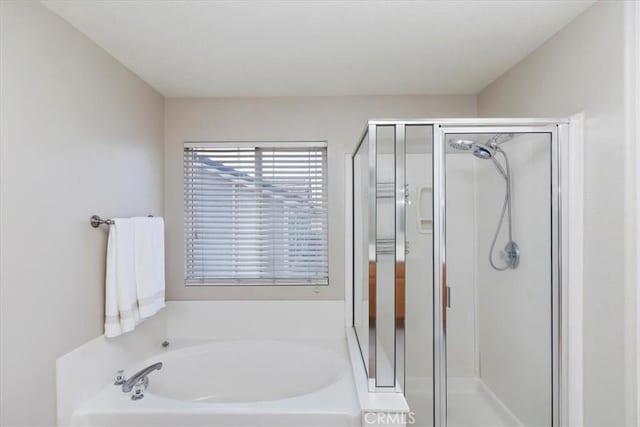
(581, 69)
(80, 135)
(338, 120)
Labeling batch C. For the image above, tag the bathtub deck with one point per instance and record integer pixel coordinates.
(333, 405)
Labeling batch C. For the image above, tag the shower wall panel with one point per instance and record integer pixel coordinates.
(515, 305)
(462, 325)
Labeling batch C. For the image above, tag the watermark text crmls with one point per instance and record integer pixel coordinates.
(390, 418)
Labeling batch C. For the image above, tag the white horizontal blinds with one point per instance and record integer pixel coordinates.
(256, 215)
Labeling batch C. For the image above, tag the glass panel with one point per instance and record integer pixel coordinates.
(361, 247)
(498, 237)
(419, 274)
(385, 266)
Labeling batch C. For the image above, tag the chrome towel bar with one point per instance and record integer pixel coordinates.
(96, 221)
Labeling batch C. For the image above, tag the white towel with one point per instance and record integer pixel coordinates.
(149, 264)
(121, 300)
(135, 273)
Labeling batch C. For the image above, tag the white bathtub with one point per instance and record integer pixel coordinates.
(257, 382)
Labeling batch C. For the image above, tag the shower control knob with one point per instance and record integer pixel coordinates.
(511, 254)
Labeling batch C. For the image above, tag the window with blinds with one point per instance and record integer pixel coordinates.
(256, 213)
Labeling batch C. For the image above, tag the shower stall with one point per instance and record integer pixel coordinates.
(456, 251)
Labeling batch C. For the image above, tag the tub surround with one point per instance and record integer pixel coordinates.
(82, 372)
(86, 372)
(391, 402)
(240, 382)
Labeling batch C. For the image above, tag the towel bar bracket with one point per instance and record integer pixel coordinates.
(96, 221)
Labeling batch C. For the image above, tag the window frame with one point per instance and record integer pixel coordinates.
(228, 144)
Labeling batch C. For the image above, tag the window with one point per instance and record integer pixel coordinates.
(256, 213)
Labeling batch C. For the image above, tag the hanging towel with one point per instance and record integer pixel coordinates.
(121, 300)
(149, 264)
(135, 273)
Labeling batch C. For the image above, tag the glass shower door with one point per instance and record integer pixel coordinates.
(497, 276)
(378, 254)
(419, 274)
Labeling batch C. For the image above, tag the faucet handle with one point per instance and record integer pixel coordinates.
(119, 379)
(139, 388)
(138, 391)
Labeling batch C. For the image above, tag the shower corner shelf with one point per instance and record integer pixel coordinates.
(425, 226)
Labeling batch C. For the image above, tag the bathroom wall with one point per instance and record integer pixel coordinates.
(581, 69)
(80, 135)
(514, 306)
(338, 120)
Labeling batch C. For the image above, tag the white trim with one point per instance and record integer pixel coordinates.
(632, 209)
(635, 19)
(572, 181)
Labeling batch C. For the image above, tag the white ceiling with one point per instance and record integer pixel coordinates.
(287, 48)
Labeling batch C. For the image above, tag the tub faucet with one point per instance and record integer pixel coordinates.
(127, 385)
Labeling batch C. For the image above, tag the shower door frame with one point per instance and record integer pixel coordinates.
(558, 129)
(558, 132)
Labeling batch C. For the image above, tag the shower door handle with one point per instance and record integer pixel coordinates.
(448, 296)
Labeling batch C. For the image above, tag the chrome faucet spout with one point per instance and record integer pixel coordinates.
(128, 385)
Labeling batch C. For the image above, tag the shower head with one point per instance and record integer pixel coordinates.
(487, 151)
(481, 151)
(461, 144)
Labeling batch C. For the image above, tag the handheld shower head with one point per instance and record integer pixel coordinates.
(481, 151)
(487, 151)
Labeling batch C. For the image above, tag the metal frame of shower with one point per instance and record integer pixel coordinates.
(558, 131)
